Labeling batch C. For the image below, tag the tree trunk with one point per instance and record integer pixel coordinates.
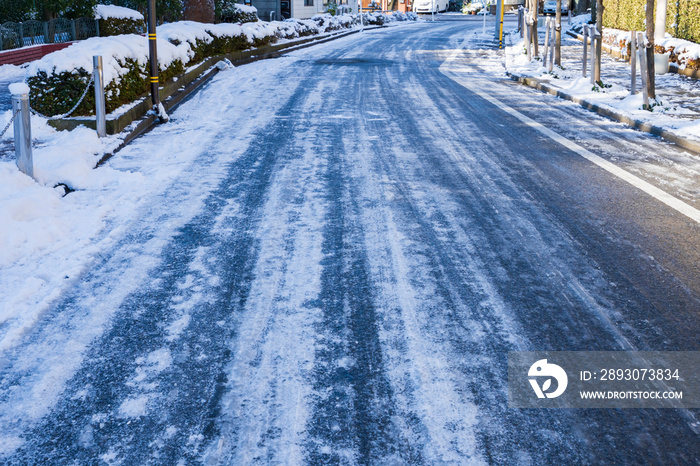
(535, 37)
(651, 82)
(199, 10)
(599, 44)
(557, 36)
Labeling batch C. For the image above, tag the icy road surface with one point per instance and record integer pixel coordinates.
(354, 239)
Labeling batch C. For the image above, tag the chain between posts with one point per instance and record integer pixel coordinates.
(8, 124)
(56, 117)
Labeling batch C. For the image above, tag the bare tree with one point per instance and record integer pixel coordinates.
(534, 6)
(199, 10)
(651, 82)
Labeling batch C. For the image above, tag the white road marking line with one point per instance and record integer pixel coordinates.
(671, 201)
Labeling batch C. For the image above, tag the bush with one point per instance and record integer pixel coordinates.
(682, 19)
(115, 20)
(237, 13)
(56, 93)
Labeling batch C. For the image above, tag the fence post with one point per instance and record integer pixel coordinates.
(46, 33)
(21, 35)
(73, 30)
(1, 47)
(633, 62)
(23, 130)
(97, 28)
(100, 119)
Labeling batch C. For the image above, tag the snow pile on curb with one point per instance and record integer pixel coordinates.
(116, 12)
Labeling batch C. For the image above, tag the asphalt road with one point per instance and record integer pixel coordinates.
(350, 284)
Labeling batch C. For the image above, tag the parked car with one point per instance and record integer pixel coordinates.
(550, 7)
(430, 6)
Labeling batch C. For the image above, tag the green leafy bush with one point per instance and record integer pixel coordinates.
(55, 94)
(682, 17)
(117, 26)
(236, 13)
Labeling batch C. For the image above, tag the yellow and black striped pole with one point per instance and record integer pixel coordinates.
(153, 54)
(500, 29)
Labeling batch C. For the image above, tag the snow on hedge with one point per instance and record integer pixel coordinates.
(245, 8)
(115, 50)
(116, 12)
(125, 57)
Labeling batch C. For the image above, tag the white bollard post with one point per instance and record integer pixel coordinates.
(551, 47)
(585, 50)
(643, 68)
(23, 128)
(528, 33)
(546, 42)
(633, 62)
(100, 117)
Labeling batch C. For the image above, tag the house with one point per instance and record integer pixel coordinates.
(301, 9)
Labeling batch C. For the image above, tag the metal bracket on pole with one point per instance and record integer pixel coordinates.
(23, 134)
(100, 118)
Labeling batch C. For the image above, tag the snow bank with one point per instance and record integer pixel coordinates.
(116, 12)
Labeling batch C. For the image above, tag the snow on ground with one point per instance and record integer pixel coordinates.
(674, 108)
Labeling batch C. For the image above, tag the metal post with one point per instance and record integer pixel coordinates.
(46, 33)
(546, 42)
(153, 54)
(73, 29)
(500, 28)
(592, 34)
(633, 62)
(23, 134)
(643, 70)
(585, 50)
(552, 25)
(362, 20)
(528, 33)
(100, 118)
(21, 35)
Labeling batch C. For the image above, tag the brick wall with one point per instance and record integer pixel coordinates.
(27, 54)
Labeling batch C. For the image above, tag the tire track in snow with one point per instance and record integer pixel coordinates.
(151, 388)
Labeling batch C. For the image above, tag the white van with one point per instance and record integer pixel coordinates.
(430, 6)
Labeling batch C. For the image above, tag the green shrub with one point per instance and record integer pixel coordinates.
(231, 13)
(682, 17)
(117, 26)
(55, 94)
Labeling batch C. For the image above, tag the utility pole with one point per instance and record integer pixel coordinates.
(651, 78)
(153, 58)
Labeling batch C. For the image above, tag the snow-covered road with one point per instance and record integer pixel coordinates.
(331, 258)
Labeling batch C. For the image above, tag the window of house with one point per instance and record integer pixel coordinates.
(308, 2)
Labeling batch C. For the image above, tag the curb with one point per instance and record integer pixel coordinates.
(141, 121)
(680, 141)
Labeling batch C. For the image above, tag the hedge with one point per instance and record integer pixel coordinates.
(682, 17)
(56, 84)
